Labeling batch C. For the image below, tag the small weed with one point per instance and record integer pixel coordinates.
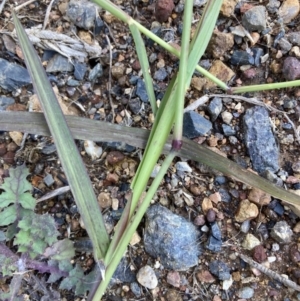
(34, 237)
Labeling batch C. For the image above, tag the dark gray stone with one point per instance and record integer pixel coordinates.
(121, 146)
(136, 290)
(228, 130)
(5, 102)
(123, 273)
(82, 13)
(257, 53)
(220, 180)
(48, 180)
(13, 76)
(240, 57)
(49, 149)
(160, 74)
(141, 91)
(59, 63)
(273, 6)
(215, 231)
(171, 238)
(195, 125)
(96, 72)
(215, 108)
(294, 38)
(135, 105)
(225, 196)
(80, 70)
(284, 45)
(213, 244)
(73, 82)
(289, 103)
(254, 19)
(219, 269)
(263, 231)
(259, 140)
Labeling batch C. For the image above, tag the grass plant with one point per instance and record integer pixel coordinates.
(167, 117)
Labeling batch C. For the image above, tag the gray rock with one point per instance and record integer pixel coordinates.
(228, 130)
(282, 232)
(48, 180)
(160, 74)
(213, 244)
(245, 226)
(171, 238)
(80, 70)
(141, 91)
(240, 57)
(59, 63)
(294, 38)
(123, 273)
(259, 140)
(219, 269)
(245, 292)
(284, 45)
(136, 290)
(215, 231)
(215, 108)
(96, 72)
(5, 102)
(135, 105)
(254, 19)
(195, 125)
(49, 149)
(273, 6)
(82, 13)
(183, 166)
(13, 76)
(121, 146)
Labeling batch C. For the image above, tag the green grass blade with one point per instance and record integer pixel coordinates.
(262, 87)
(134, 222)
(113, 9)
(181, 87)
(67, 151)
(143, 58)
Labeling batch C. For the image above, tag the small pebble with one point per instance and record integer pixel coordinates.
(245, 292)
(291, 68)
(173, 278)
(245, 226)
(183, 167)
(275, 247)
(246, 211)
(211, 215)
(146, 277)
(259, 254)
(163, 10)
(219, 269)
(254, 19)
(250, 242)
(282, 232)
(227, 117)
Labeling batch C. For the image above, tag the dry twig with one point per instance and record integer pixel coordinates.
(47, 14)
(17, 8)
(270, 273)
(109, 80)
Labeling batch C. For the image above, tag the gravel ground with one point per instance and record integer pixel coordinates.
(193, 241)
